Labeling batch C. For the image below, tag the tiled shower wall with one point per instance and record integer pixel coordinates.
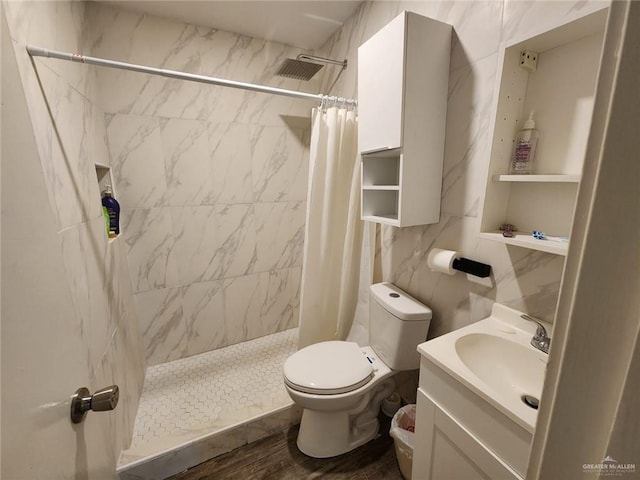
(523, 279)
(212, 181)
(70, 136)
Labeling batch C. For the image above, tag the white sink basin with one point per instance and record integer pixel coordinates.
(494, 358)
(502, 364)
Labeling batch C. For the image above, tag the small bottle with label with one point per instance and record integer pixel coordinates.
(525, 148)
(113, 209)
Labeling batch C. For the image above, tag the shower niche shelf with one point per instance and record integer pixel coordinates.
(560, 92)
(401, 120)
(103, 173)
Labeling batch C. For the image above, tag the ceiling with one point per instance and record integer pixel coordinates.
(306, 24)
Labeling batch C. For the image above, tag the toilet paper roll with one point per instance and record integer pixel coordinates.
(391, 404)
(442, 260)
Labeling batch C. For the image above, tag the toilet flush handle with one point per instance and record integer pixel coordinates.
(103, 400)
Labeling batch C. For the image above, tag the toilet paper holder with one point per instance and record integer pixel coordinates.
(472, 267)
(448, 261)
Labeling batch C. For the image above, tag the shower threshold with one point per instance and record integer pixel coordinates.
(196, 408)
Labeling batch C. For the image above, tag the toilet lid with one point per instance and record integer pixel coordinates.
(328, 368)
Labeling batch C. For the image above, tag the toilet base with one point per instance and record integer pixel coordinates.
(329, 434)
(325, 434)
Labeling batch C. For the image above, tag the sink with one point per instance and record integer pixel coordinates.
(508, 367)
(494, 358)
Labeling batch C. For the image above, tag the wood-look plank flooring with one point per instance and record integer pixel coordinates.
(277, 458)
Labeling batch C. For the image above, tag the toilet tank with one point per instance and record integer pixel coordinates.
(397, 324)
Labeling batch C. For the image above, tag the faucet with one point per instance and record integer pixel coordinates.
(540, 340)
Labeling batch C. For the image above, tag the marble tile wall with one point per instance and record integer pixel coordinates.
(212, 181)
(523, 279)
(70, 135)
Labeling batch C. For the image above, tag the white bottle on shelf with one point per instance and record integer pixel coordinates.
(525, 148)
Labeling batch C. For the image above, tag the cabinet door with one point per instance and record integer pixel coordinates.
(444, 450)
(381, 87)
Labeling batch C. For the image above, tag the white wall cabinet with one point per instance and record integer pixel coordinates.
(403, 75)
(560, 92)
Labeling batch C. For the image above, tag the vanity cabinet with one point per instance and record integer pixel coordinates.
(448, 451)
(403, 75)
(560, 91)
(461, 436)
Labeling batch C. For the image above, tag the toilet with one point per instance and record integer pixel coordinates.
(340, 385)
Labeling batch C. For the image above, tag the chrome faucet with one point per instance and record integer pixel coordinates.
(540, 340)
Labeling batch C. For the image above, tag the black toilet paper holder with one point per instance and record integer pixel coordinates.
(472, 267)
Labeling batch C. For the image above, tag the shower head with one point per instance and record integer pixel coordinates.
(300, 69)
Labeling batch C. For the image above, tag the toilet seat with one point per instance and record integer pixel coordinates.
(328, 368)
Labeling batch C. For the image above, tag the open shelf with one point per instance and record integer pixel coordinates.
(381, 187)
(381, 168)
(527, 241)
(380, 204)
(385, 219)
(560, 90)
(538, 178)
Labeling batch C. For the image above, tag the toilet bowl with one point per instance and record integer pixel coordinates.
(341, 385)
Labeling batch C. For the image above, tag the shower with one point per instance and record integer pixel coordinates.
(300, 69)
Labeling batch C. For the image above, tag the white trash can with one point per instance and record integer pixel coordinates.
(402, 430)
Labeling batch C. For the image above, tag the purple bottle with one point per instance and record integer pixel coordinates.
(113, 209)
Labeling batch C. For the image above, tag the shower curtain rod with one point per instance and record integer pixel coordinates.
(103, 62)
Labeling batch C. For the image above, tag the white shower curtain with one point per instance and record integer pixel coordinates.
(333, 234)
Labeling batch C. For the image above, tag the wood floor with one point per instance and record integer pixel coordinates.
(278, 458)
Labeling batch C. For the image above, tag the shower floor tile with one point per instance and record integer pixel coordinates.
(194, 397)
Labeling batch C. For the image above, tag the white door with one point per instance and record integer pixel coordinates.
(44, 355)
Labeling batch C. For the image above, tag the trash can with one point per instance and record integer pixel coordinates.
(403, 425)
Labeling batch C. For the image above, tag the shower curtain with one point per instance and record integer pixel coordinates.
(333, 235)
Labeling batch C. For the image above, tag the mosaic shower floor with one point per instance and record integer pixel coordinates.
(192, 397)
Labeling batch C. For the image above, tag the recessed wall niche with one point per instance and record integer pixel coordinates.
(103, 173)
(560, 91)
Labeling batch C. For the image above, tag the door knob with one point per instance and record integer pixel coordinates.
(82, 401)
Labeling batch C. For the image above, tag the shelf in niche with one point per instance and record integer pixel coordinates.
(561, 92)
(381, 187)
(103, 173)
(552, 178)
(527, 241)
